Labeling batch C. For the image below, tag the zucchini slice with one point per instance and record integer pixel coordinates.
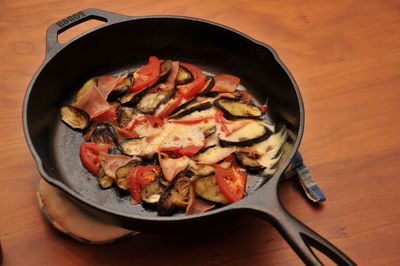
(236, 109)
(207, 188)
(248, 135)
(75, 118)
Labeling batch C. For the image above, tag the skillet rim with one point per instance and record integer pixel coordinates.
(51, 52)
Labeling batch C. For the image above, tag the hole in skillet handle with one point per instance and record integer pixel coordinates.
(52, 42)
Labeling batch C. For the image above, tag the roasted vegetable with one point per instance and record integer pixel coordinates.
(152, 192)
(120, 89)
(198, 107)
(210, 82)
(88, 85)
(207, 188)
(125, 115)
(104, 181)
(184, 76)
(132, 98)
(176, 195)
(165, 68)
(122, 174)
(153, 98)
(248, 135)
(236, 109)
(202, 170)
(104, 133)
(75, 118)
(138, 147)
(246, 161)
(213, 154)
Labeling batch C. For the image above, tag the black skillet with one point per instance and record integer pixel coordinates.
(122, 44)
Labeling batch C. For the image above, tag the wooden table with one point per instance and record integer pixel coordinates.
(345, 56)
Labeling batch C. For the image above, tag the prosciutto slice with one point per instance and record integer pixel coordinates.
(169, 84)
(111, 162)
(107, 83)
(92, 102)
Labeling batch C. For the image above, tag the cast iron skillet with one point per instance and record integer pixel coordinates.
(122, 44)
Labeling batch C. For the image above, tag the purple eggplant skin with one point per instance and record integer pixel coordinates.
(248, 142)
(121, 89)
(104, 133)
(198, 107)
(210, 83)
(184, 76)
(176, 195)
(243, 110)
(149, 102)
(249, 163)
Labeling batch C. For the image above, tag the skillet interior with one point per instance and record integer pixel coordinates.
(126, 45)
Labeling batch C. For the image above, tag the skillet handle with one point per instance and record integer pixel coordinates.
(299, 236)
(52, 44)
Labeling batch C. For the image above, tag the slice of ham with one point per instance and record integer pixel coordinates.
(197, 205)
(107, 83)
(169, 84)
(111, 162)
(172, 167)
(225, 83)
(92, 102)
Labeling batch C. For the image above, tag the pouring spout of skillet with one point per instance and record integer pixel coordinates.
(115, 48)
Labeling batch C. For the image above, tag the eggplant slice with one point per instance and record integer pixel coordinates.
(125, 115)
(236, 109)
(151, 194)
(152, 99)
(248, 135)
(184, 76)
(104, 181)
(207, 188)
(104, 133)
(213, 154)
(122, 174)
(165, 68)
(74, 117)
(175, 196)
(210, 83)
(195, 108)
(138, 147)
(246, 161)
(121, 88)
(202, 170)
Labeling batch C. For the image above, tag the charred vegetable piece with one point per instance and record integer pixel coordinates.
(125, 114)
(235, 109)
(104, 181)
(176, 195)
(208, 130)
(75, 118)
(115, 150)
(122, 174)
(152, 192)
(149, 102)
(104, 133)
(207, 188)
(248, 135)
(138, 147)
(88, 85)
(210, 82)
(202, 170)
(198, 107)
(213, 154)
(184, 76)
(165, 68)
(121, 88)
(246, 161)
(131, 99)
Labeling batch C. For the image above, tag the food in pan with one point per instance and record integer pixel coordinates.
(173, 137)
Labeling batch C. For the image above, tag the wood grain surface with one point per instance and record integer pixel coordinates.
(345, 56)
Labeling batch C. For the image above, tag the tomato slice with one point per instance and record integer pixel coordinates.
(109, 115)
(172, 105)
(140, 177)
(146, 75)
(231, 179)
(192, 88)
(225, 83)
(89, 153)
